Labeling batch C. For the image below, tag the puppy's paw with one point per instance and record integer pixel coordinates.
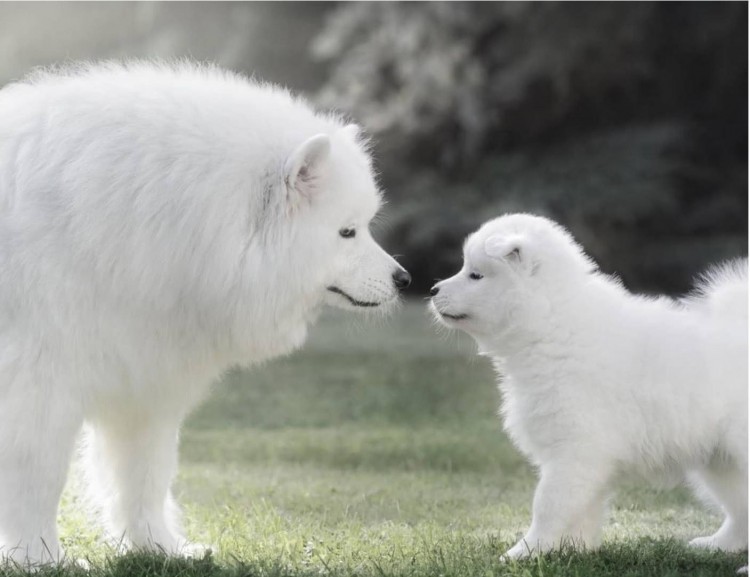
(721, 540)
(707, 542)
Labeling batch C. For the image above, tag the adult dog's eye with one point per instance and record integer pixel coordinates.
(348, 233)
(475, 276)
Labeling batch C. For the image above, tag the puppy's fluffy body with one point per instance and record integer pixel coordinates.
(597, 381)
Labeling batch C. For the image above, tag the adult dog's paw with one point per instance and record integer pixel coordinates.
(194, 550)
(519, 551)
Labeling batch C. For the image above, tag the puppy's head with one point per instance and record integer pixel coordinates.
(513, 266)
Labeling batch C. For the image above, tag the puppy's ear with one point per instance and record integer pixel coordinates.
(305, 169)
(512, 249)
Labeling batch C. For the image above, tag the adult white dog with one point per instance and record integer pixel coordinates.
(597, 381)
(157, 225)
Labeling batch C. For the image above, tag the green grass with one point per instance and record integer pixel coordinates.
(376, 451)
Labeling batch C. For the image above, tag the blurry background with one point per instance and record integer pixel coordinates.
(625, 121)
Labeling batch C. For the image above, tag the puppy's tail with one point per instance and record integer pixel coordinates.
(722, 291)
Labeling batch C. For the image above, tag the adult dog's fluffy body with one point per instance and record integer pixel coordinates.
(597, 381)
(158, 224)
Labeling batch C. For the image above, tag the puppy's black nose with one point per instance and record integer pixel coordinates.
(401, 278)
(434, 290)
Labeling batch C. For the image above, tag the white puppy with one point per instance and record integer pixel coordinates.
(158, 224)
(597, 381)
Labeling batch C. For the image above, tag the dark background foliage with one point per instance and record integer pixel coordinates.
(625, 121)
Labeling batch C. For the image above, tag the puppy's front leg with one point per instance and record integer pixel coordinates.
(568, 506)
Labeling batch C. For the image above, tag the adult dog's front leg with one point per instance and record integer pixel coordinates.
(133, 459)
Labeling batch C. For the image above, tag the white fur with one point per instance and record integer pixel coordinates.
(158, 224)
(597, 381)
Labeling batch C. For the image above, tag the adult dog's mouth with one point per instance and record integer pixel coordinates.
(351, 299)
(454, 317)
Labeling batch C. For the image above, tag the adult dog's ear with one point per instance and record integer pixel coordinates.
(353, 131)
(305, 169)
(511, 249)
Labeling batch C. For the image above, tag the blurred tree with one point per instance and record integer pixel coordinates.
(483, 75)
(625, 121)
(243, 36)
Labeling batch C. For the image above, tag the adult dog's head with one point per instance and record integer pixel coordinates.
(335, 198)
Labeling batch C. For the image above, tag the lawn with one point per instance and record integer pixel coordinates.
(376, 451)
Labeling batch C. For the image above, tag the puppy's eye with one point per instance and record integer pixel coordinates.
(475, 276)
(348, 233)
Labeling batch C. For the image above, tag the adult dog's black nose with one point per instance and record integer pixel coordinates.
(401, 278)
(434, 290)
